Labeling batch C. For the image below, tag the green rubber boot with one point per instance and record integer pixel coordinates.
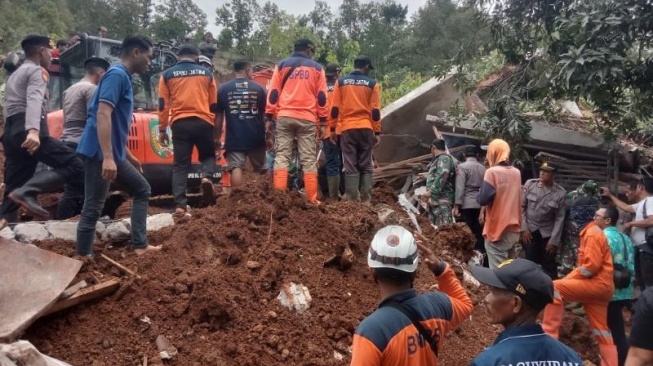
(352, 182)
(334, 187)
(366, 188)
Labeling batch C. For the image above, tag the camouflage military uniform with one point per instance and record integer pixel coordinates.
(440, 183)
(569, 249)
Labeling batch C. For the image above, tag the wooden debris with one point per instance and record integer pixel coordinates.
(70, 291)
(90, 293)
(120, 266)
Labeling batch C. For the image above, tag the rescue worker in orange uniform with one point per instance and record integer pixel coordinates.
(188, 101)
(407, 329)
(298, 96)
(357, 108)
(590, 283)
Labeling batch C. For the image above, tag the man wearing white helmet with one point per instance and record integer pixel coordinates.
(407, 328)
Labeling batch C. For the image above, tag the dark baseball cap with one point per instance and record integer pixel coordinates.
(439, 144)
(524, 278)
(362, 61)
(35, 40)
(188, 50)
(303, 44)
(548, 167)
(97, 62)
(332, 69)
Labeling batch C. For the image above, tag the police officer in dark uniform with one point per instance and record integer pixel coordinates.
(26, 140)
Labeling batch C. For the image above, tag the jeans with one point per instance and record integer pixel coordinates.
(95, 193)
(187, 133)
(616, 325)
(536, 252)
(333, 163)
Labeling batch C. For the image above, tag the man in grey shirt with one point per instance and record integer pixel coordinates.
(75, 106)
(469, 178)
(26, 139)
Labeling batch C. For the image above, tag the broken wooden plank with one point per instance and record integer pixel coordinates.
(87, 294)
(70, 291)
(120, 266)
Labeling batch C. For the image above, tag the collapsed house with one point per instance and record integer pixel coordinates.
(408, 129)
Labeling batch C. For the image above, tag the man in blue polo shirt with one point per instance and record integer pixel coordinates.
(519, 291)
(103, 148)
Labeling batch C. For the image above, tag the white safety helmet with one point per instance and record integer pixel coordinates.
(393, 247)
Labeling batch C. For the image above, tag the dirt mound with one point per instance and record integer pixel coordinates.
(213, 291)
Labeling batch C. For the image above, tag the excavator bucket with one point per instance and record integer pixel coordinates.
(32, 280)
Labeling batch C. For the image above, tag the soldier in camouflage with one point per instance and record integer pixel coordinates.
(440, 184)
(569, 250)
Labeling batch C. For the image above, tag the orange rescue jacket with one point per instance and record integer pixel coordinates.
(331, 122)
(304, 94)
(594, 259)
(187, 90)
(356, 103)
(389, 338)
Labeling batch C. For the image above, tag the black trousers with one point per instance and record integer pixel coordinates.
(536, 252)
(617, 328)
(186, 134)
(72, 200)
(643, 268)
(357, 146)
(20, 165)
(470, 217)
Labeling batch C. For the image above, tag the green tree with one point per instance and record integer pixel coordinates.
(238, 15)
(598, 51)
(176, 18)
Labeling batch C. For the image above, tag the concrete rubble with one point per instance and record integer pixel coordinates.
(295, 297)
(118, 231)
(25, 354)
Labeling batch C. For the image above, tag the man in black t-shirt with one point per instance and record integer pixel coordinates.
(242, 102)
(641, 335)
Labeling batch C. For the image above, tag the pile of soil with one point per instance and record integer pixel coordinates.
(212, 290)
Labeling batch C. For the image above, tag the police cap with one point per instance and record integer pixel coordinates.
(548, 167)
(35, 40)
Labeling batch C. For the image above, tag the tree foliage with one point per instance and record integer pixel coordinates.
(403, 49)
(596, 51)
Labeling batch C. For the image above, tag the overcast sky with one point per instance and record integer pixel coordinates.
(296, 7)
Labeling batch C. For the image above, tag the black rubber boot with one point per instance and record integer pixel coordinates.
(46, 181)
(352, 182)
(366, 188)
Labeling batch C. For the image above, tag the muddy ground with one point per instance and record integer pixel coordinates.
(200, 293)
